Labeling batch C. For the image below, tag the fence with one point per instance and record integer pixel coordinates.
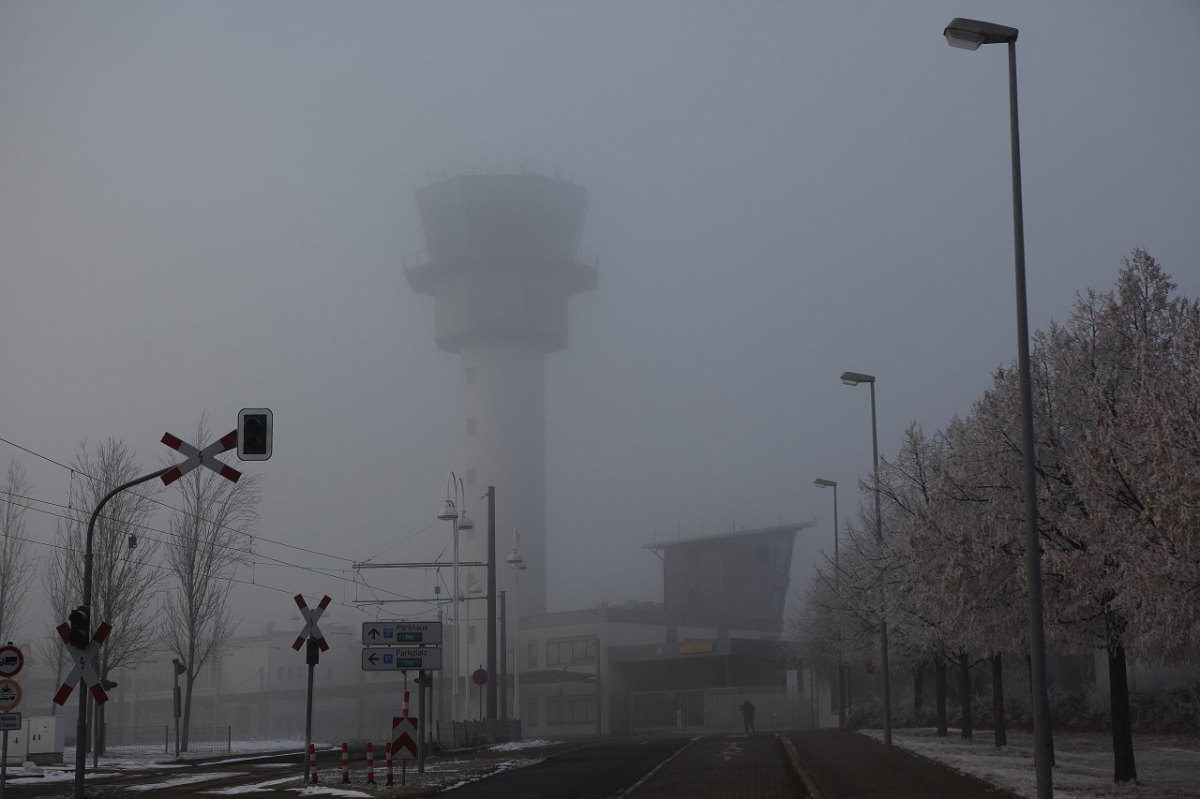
(156, 738)
(459, 734)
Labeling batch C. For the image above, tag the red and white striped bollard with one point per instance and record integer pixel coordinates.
(370, 763)
(390, 772)
(312, 762)
(345, 763)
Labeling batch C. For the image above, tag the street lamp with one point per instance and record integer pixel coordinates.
(969, 34)
(854, 379)
(450, 513)
(517, 564)
(820, 482)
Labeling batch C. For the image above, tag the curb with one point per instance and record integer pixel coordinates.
(794, 760)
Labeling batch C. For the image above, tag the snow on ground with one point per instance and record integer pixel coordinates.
(512, 746)
(1168, 766)
(187, 779)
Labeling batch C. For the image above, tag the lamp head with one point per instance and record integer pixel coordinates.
(854, 378)
(448, 511)
(823, 483)
(514, 559)
(968, 34)
(464, 522)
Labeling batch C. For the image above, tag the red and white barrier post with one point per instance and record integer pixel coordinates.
(345, 763)
(312, 762)
(370, 763)
(390, 773)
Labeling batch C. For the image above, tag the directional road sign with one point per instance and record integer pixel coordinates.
(404, 737)
(401, 657)
(386, 633)
(311, 615)
(10, 722)
(201, 457)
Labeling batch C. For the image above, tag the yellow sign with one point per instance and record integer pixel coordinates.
(697, 648)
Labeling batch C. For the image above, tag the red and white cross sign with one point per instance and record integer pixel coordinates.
(83, 664)
(201, 457)
(311, 630)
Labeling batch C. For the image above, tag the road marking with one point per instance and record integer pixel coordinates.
(653, 771)
(731, 750)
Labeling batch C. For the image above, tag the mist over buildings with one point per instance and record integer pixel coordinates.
(205, 207)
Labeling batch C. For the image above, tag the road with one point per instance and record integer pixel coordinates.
(666, 767)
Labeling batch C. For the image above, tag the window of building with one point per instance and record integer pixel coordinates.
(531, 660)
(565, 651)
(570, 709)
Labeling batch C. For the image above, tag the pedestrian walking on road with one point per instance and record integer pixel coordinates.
(747, 716)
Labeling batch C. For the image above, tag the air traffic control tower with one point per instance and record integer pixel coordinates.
(500, 265)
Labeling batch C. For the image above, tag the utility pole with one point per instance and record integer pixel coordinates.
(491, 603)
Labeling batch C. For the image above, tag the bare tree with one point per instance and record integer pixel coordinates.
(15, 573)
(209, 538)
(125, 575)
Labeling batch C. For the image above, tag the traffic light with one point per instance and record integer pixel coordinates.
(81, 626)
(254, 434)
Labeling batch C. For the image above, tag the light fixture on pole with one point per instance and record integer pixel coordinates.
(854, 379)
(449, 513)
(969, 34)
(820, 482)
(517, 564)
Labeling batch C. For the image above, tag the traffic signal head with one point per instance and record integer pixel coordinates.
(81, 626)
(254, 434)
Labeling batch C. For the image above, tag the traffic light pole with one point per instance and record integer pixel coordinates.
(81, 726)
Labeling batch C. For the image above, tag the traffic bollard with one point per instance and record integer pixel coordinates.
(370, 763)
(345, 763)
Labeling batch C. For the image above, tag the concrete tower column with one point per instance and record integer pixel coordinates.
(501, 265)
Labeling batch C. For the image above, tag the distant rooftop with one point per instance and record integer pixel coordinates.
(782, 528)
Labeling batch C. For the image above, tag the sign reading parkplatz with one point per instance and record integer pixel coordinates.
(411, 633)
(396, 658)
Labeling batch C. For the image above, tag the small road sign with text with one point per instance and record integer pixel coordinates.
(389, 633)
(401, 657)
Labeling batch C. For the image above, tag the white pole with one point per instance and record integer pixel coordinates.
(517, 643)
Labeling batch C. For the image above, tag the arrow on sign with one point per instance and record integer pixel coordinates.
(201, 457)
(373, 658)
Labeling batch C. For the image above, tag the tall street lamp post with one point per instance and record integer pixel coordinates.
(969, 34)
(460, 521)
(820, 482)
(517, 564)
(853, 379)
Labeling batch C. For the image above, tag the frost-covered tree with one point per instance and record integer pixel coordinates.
(125, 580)
(15, 559)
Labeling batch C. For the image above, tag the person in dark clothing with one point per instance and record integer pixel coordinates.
(747, 716)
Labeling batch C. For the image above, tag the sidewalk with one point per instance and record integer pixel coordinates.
(723, 767)
(846, 765)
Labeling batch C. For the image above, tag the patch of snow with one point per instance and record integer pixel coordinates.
(1168, 766)
(512, 746)
(189, 779)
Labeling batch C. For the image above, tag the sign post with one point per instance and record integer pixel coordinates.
(11, 661)
(316, 645)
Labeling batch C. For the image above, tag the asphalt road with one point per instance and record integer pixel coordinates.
(597, 770)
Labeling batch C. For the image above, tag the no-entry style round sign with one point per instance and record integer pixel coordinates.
(479, 676)
(10, 694)
(11, 661)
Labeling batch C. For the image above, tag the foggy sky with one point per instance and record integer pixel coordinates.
(203, 207)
